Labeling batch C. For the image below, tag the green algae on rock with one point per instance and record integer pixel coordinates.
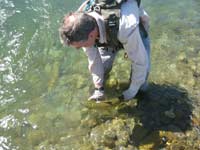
(112, 134)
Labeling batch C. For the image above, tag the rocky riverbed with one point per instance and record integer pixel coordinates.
(44, 87)
(165, 117)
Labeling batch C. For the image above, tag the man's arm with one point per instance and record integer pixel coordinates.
(95, 66)
(144, 18)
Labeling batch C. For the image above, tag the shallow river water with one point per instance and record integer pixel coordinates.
(44, 86)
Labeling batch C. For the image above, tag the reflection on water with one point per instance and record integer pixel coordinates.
(44, 86)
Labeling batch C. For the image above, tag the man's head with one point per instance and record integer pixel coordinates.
(78, 30)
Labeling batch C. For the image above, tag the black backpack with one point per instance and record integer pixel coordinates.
(112, 3)
(110, 9)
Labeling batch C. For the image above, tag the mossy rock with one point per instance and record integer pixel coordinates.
(35, 137)
(112, 134)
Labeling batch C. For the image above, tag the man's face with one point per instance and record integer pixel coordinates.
(92, 36)
(88, 43)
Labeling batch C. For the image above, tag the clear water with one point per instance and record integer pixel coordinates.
(44, 86)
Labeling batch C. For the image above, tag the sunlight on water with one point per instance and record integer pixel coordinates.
(8, 122)
(44, 86)
(4, 143)
(5, 10)
(7, 101)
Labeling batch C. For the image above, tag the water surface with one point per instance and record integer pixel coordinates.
(44, 86)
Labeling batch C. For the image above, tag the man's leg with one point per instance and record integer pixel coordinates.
(107, 57)
(146, 42)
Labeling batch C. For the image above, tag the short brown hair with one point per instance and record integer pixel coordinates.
(77, 30)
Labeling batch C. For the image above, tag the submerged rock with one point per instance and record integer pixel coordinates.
(111, 134)
(112, 82)
(35, 137)
(170, 113)
(182, 57)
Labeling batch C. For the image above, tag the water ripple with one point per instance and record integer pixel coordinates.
(8, 122)
(6, 10)
(6, 101)
(15, 43)
(24, 111)
(5, 143)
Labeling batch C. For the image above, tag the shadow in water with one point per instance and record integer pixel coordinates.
(165, 107)
(161, 108)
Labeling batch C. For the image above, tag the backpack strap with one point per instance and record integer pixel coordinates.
(110, 10)
(138, 2)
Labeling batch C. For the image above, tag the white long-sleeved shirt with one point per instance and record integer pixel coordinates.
(129, 36)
